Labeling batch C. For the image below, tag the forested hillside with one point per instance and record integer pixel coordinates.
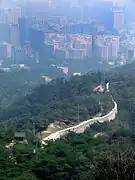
(104, 151)
(15, 85)
(58, 101)
(128, 69)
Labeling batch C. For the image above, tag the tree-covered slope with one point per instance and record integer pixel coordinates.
(59, 100)
(16, 85)
(128, 69)
(103, 152)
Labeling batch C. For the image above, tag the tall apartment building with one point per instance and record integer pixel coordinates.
(82, 42)
(107, 47)
(37, 38)
(19, 54)
(5, 50)
(119, 19)
(10, 15)
(14, 34)
(4, 32)
(76, 54)
(114, 49)
(22, 30)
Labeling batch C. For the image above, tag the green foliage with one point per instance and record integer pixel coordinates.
(58, 101)
(109, 156)
(15, 85)
(25, 176)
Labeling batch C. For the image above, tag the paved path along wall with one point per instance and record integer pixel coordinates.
(80, 128)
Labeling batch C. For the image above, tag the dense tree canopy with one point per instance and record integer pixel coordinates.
(103, 152)
(57, 101)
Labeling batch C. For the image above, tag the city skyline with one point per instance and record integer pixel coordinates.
(77, 33)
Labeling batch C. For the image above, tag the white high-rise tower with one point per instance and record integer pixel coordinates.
(118, 10)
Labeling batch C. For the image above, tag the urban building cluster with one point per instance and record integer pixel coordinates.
(79, 46)
(76, 46)
(73, 46)
(9, 33)
(107, 47)
(19, 37)
(24, 36)
(127, 48)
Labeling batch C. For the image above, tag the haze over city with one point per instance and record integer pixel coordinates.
(67, 90)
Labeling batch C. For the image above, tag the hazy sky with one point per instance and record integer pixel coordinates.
(88, 2)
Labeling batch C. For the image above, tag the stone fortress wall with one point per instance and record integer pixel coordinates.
(80, 128)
